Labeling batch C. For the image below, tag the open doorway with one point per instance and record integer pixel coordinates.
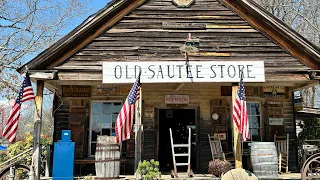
(179, 120)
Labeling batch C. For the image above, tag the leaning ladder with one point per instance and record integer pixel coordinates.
(174, 173)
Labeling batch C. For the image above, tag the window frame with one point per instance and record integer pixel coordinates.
(261, 127)
(90, 120)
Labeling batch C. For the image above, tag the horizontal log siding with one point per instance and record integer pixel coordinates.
(156, 30)
(61, 114)
(289, 127)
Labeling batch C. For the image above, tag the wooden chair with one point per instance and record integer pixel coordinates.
(217, 151)
(282, 145)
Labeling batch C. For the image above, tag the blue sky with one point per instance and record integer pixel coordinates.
(98, 4)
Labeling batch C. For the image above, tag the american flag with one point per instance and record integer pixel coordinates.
(240, 113)
(25, 94)
(125, 118)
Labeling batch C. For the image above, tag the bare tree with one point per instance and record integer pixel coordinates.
(26, 28)
(301, 15)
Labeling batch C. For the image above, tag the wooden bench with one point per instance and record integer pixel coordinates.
(83, 162)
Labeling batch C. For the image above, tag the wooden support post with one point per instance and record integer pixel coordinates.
(236, 137)
(37, 129)
(138, 117)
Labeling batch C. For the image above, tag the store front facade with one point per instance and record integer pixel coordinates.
(92, 69)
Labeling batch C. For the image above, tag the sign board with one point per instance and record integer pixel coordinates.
(275, 112)
(221, 136)
(76, 91)
(276, 121)
(176, 99)
(275, 91)
(180, 71)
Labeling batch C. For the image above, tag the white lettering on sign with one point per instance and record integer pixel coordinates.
(176, 99)
(179, 71)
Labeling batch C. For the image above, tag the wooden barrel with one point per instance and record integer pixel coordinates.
(264, 159)
(107, 158)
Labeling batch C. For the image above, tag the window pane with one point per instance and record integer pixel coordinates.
(114, 117)
(94, 135)
(254, 122)
(255, 134)
(106, 121)
(106, 132)
(117, 107)
(107, 108)
(93, 148)
(96, 108)
(255, 109)
(96, 122)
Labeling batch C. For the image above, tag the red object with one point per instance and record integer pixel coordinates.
(240, 112)
(25, 94)
(2, 117)
(125, 118)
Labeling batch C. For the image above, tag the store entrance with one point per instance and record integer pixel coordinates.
(179, 120)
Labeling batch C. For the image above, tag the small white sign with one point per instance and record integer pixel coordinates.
(180, 71)
(176, 99)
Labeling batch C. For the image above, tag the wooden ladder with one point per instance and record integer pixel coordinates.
(174, 173)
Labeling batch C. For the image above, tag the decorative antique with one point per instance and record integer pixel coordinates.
(190, 45)
(274, 92)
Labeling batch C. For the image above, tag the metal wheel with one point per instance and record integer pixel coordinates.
(311, 168)
(20, 171)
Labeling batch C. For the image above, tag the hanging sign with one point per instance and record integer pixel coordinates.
(76, 91)
(176, 99)
(180, 71)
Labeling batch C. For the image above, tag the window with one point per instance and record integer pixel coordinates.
(255, 125)
(254, 120)
(103, 118)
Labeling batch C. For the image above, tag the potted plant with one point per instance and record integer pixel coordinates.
(149, 170)
(218, 167)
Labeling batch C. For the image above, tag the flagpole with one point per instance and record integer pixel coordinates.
(138, 131)
(236, 137)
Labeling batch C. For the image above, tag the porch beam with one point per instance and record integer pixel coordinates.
(37, 129)
(236, 135)
(43, 74)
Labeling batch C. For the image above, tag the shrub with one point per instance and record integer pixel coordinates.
(149, 170)
(22, 145)
(218, 167)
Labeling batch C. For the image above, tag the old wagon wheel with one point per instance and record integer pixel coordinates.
(311, 168)
(21, 172)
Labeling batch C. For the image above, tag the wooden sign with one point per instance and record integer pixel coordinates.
(183, 3)
(221, 136)
(76, 91)
(274, 92)
(275, 112)
(176, 99)
(179, 71)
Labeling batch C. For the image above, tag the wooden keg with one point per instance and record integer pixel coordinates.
(107, 158)
(264, 159)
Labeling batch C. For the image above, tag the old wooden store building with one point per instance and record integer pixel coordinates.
(189, 56)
